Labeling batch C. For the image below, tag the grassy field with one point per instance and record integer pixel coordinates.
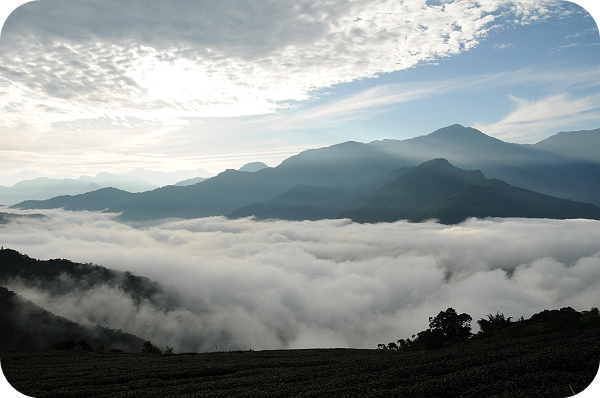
(542, 366)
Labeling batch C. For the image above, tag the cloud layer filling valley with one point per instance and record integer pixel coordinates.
(331, 283)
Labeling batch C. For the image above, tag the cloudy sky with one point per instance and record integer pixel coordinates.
(105, 85)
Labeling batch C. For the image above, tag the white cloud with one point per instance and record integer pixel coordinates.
(310, 284)
(531, 119)
(163, 62)
(152, 84)
(370, 102)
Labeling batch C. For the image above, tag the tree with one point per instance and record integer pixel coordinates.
(453, 327)
(494, 323)
(149, 348)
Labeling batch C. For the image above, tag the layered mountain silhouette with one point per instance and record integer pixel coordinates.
(351, 178)
(433, 190)
(43, 187)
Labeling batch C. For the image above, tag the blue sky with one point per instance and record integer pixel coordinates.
(104, 86)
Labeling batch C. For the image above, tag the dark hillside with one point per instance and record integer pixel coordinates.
(303, 202)
(102, 199)
(61, 276)
(495, 198)
(27, 327)
(412, 191)
(8, 217)
(438, 190)
(555, 365)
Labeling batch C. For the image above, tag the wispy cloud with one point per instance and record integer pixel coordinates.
(370, 102)
(531, 119)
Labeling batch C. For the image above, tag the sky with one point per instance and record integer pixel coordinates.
(105, 85)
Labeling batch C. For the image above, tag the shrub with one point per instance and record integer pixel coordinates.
(149, 348)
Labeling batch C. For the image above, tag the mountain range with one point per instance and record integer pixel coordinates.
(433, 190)
(415, 179)
(42, 187)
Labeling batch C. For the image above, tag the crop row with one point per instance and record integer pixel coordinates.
(548, 365)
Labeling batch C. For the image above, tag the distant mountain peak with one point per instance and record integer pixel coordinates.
(457, 135)
(438, 162)
(457, 130)
(253, 166)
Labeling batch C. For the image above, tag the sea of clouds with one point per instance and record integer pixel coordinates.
(246, 284)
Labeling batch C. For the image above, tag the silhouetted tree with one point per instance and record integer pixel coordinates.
(591, 318)
(494, 323)
(452, 326)
(149, 348)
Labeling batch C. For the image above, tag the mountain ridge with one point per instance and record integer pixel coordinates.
(352, 165)
(433, 190)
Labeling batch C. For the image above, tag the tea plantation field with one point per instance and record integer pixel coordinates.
(551, 365)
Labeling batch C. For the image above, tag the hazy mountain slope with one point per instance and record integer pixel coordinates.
(350, 166)
(412, 191)
(189, 181)
(100, 200)
(60, 277)
(122, 182)
(495, 198)
(253, 166)
(161, 178)
(583, 145)
(8, 217)
(438, 190)
(94, 295)
(525, 166)
(219, 195)
(26, 326)
(44, 188)
(345, 166)
(433, 190)
(302, 202)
